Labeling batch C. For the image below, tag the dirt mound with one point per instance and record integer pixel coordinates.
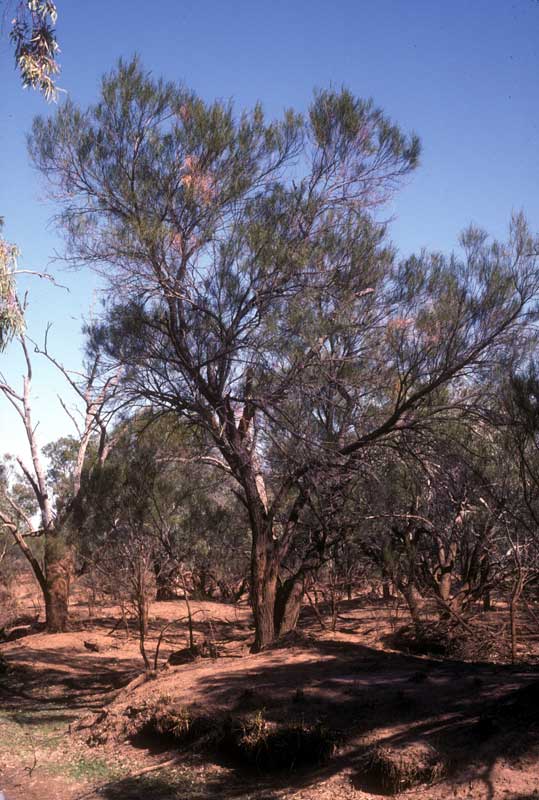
(390, 769)
(450, 640)
(249, 719)
(249, 738)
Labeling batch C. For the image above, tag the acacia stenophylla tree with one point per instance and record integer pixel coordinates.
(253, 291)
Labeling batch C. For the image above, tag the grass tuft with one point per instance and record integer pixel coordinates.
(392, 769)
(247, 738)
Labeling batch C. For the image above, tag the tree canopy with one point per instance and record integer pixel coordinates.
(254, 292)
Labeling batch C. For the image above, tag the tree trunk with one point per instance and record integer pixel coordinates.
(445, 586)
(444, 592)
(444, 576)
(288, 601)
(414, 602)
(349, 573)
(264, 570)
(263, 602)
(58, 574)
(513, 608)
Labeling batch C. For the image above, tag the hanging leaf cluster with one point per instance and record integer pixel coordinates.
(34, 38)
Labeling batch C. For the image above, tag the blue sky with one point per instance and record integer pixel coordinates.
(463, 75)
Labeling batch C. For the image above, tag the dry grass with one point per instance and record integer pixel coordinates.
(247, 737)
(393, 769)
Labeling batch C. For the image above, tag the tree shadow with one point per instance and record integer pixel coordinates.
(63, 677)
(470, 712)
(172, 786)
(393, 699)
(141, 788)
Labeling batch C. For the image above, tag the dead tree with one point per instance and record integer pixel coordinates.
(97, 393)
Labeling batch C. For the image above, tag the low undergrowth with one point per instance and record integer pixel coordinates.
(450, 640)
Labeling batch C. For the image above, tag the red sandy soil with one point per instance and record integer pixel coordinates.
(351, 679)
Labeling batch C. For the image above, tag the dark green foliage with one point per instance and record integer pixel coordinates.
(153, 495)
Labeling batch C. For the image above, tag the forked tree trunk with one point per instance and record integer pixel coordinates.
(58, 575)
(264, 571)
(273, 616)
(56, 572)
(276, 609)
(276, 606)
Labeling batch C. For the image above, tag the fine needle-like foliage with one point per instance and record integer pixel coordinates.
(254, 293)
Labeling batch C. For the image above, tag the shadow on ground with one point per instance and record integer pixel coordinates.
(473, 714)
(149, 787)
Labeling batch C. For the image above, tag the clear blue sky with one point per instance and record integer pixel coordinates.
(464, 75)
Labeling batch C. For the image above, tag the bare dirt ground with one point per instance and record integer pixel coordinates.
(350, 680)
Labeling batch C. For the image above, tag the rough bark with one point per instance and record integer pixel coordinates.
(288, 601)
(263, 596)
(58, 576)
(264, 550)
(414, 602)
